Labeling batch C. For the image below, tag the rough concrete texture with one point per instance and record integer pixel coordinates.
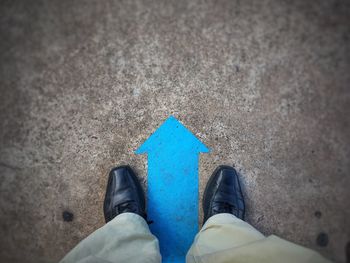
(265, 84)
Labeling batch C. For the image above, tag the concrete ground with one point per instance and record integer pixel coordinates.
(264, 84)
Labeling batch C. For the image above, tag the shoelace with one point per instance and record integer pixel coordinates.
(223, 207)
(126, 207)
(131, 207)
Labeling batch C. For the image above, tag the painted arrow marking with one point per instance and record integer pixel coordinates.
(172, 195)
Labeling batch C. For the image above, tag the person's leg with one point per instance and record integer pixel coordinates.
(221, 232)
(225, 237)
(126, 236)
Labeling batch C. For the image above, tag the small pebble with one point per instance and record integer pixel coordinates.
(318, 214)
(322, 239)
(67, 216)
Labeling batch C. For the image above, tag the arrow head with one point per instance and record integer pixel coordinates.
(172, 136)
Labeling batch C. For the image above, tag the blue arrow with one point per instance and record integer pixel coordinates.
(172, 192)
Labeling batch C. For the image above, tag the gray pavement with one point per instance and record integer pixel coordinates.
(264, 84)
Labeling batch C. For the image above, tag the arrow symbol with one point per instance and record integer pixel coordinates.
(172, 192)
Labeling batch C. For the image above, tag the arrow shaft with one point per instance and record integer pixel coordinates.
(173, 202)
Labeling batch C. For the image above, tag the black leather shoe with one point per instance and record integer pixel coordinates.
(124, 194)
(223, 194)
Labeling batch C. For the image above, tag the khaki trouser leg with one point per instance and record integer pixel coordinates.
(225, 238)
(126, 238)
